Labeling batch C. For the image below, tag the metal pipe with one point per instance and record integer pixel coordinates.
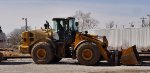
(26, 25)
(149, 20)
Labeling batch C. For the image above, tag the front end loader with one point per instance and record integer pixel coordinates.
(50, 45)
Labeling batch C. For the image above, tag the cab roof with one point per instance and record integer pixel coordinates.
(63, 18)
(58, 19)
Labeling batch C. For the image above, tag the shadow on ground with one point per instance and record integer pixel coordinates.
(14, 63)
(62, 62)
(77, 63)
(147, 63)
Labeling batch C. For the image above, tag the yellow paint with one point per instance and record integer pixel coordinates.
(38, 34)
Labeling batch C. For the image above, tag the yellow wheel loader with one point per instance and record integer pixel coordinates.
(50, 45)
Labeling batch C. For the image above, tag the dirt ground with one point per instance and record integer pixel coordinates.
(67, 66)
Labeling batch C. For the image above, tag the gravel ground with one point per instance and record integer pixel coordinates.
(67, 66)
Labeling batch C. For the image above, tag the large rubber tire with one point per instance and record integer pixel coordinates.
(88, 54)
(42, 53)
(56, 59)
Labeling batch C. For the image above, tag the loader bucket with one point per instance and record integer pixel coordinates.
(130, 56)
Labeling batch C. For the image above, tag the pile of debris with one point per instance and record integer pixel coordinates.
(8, 52)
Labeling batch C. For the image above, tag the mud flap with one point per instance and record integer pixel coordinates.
(130, 56)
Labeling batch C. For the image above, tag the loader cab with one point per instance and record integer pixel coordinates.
(66, 28)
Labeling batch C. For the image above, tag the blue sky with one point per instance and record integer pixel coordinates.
(37, 11)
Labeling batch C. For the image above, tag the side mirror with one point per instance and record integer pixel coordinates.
(77, 24)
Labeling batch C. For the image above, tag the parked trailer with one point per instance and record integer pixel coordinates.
(10, 54)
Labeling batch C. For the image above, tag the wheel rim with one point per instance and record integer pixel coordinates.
(41, 53)
(87, 54)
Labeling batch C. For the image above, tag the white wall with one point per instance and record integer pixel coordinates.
(123, 38)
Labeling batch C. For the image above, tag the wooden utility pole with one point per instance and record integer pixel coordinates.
(143, 22)
(123, 26)
(149, 20)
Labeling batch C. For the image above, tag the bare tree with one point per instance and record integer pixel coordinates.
(14, 37)
(110, 25)
(85, 20)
